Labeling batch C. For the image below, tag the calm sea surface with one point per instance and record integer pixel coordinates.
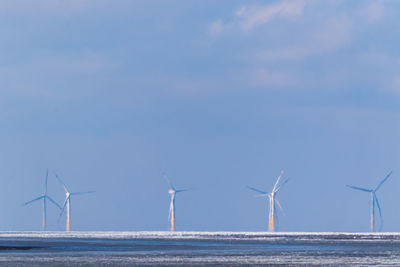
(198, 249)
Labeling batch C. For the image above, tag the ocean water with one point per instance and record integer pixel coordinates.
(198, 249)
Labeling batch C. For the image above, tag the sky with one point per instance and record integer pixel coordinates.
(220, 95)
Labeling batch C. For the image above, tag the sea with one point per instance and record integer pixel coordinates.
(198, 249)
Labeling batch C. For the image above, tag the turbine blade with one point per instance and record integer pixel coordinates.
(62, 183)
(280, 207)
(276, 217)
(256, 190)
(47, 176)
(359, 188)
(33, 200)
(54, 202)
(262, 195)
(277, 181)
(82, 193)
(280, 186)
(380, 212)
(384, 180)
(63, 208)
(168, 181)
(183, 190)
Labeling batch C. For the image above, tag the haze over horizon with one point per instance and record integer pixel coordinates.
(220, 95)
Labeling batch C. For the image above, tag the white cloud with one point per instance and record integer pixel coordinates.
(334, 34)
(330, 36)
(285, 53)
(394, 87)
(248, 17)
(194, 86)
(55, 8)
(240, 11)
(374, 11)
(276, 53)
(254, 16)
(86, 64)
(217, 27)
(267, 79)
(44, 76)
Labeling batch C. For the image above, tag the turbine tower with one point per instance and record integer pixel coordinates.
(272, 201)
(67, 202)
(172, 191)
(44, 196)
(374, 200)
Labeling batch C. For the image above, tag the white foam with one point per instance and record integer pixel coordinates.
(196, 235)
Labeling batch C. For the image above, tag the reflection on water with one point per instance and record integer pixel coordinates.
(197, 248)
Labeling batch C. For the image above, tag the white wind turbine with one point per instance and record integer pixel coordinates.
(172, 191)
(272, 201)
(45, 197)
(374, 200)
(67, 202)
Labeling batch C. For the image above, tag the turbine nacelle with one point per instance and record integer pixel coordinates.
(174, 191)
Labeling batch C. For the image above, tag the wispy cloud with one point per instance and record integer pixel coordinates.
(247, 18)
(327, 37)
(374, 11)
(267, 79)
(52, 75)
(283, 40)
(218, 27)
(58, 8)
(251, 17)
(85, 64)
(394, 85)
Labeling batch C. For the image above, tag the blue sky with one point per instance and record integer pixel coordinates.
(218, 94)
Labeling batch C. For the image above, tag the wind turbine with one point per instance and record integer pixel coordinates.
(272, 200)
(44, 196)
(172, 191)
(374, 200)
(67, 202)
